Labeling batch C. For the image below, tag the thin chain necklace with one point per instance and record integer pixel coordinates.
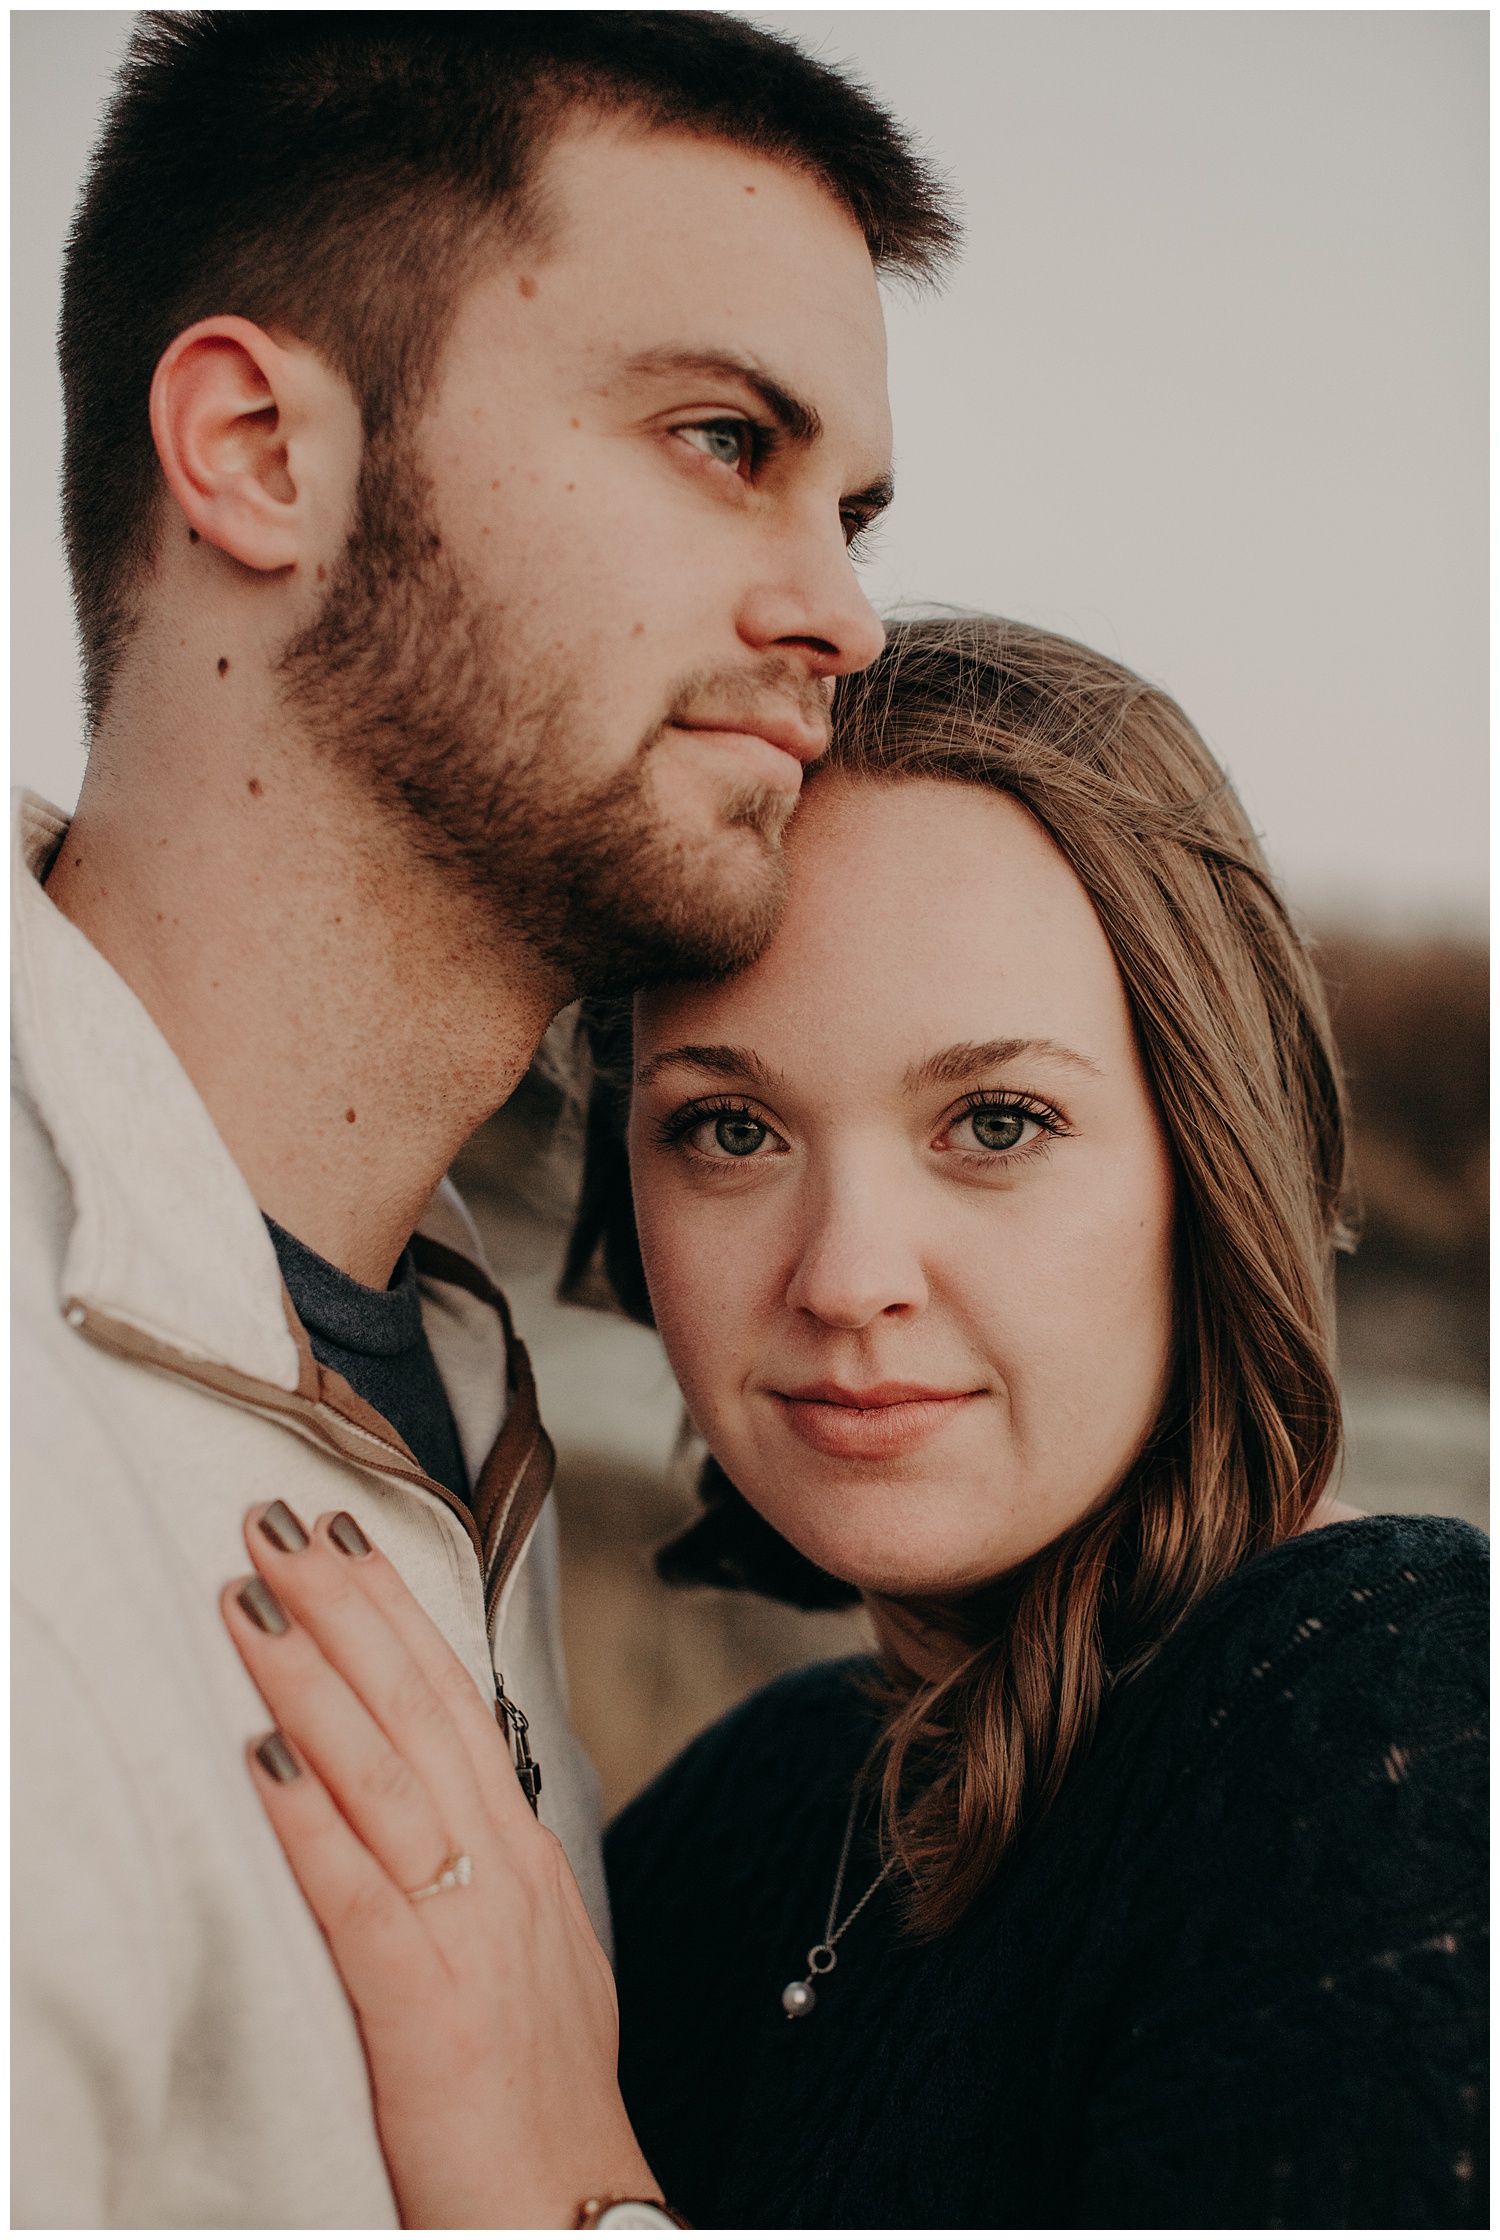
(800, 1998)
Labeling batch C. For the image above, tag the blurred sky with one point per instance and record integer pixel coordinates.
(1208, 390)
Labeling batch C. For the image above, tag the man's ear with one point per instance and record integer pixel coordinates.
(259, 442)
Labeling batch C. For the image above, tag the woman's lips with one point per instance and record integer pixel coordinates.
(886, 1420)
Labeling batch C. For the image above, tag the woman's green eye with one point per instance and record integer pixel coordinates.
(738, 1134)
(998, 1128)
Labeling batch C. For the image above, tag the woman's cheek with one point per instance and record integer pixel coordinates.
(1104, 1337)
(684, 1267)
(707, 1271)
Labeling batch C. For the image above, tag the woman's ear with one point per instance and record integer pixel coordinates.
(259, 441)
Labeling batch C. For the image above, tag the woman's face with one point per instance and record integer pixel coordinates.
(904, 1200)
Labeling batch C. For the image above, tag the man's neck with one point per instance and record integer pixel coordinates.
(347, 1017)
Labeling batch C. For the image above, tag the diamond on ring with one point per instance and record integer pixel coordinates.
(455, 1872)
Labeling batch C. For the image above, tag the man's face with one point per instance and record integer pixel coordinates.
(586, 639)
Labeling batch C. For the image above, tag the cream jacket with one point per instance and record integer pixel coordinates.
(183, 2052)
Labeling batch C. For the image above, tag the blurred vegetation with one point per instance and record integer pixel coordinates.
(1412, 1022)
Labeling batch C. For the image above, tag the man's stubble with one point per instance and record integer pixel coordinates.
(405, 677)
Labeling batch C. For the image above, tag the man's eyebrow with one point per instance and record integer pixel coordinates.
(873, 499)
(796, 418)
(962, 1060)
(791, 413)
(721, 1059)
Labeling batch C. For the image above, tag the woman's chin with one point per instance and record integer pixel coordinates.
(907, 1537)
(891, 1565)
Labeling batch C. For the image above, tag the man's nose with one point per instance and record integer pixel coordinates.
(811, 605)
(858, 1263)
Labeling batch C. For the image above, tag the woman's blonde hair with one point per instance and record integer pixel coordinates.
(1234, 1034)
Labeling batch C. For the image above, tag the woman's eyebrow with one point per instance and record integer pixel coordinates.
(962, 1060)
(721, 1059)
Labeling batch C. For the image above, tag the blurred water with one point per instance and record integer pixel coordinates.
(1417, 1449)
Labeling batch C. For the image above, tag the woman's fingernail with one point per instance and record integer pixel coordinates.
(282, 1529)
(277, 1759)
(345, 1534)
(261, 1606)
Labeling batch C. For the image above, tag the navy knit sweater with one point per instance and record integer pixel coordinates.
(1234, 1979)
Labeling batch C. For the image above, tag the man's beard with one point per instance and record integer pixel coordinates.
(403, 676)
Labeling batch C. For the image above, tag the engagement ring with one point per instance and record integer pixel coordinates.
(455, 1872)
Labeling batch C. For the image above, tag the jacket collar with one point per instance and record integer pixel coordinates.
(166, 1234)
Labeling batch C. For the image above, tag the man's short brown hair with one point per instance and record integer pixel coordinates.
(335, 175)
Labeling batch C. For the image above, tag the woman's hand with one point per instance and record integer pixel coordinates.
(488, 2010)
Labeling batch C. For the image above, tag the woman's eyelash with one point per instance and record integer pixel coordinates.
(1035, 1108)
(682, 1122)
(687, 1117)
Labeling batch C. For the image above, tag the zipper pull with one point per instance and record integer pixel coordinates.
(513, 1719)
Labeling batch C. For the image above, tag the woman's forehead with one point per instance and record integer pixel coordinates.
(919, 915)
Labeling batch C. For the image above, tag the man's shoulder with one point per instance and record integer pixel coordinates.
(51, 1369)
(41, 1201)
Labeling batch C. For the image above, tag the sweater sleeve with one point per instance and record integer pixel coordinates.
(1301, 1950)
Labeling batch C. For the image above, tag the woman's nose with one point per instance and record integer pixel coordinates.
(857, 1265)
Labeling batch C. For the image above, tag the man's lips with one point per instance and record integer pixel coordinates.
(882, 1420)
(779, 745)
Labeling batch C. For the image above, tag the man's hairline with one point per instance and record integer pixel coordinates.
(632, 118)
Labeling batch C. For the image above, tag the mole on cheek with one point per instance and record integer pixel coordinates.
(256, 787)
(349, 1115)
(192, 536)
(223, 665)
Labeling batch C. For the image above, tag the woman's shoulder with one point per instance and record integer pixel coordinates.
(1402, 1555)
(1268, 1888)
(1381, 1594)
(823, 1713)
(1310, 1688)
(808, 1730)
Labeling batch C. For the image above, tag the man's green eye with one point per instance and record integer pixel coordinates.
(723, 440)
(999, 1128)
(738, 1134)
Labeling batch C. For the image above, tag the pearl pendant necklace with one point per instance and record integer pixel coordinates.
(800, 1998)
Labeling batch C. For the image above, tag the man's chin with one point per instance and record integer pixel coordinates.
(765, 811)
(708, 910)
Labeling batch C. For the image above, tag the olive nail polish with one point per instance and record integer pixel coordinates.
(261, 1606)
(345, 1534)
(283, 1530)
(277, 1759)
